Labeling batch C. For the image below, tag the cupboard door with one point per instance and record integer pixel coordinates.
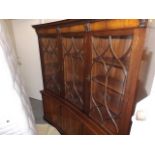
(74, 68)
(71, 123)
(52, 64)
(52, 110)
(87, 131)
(110, 62)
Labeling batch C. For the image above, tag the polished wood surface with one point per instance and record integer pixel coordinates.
(70, 26)
(67, 118)
(134, 69)
(90, 72)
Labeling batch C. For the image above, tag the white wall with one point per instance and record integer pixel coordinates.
(27, 48)
(28, 54)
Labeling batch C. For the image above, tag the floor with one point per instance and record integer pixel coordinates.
(42, 126)
(37, 110)
(46, 129)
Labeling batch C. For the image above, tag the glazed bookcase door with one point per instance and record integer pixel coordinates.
(109, 72)
(52, 64)
(73, 54)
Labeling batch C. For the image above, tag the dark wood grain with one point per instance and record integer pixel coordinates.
(134, 68)
(106, 82)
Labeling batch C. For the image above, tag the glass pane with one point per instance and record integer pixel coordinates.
(108, 78)
(51, 64)
(73, 52)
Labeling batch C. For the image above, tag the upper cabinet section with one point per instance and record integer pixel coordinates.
(74, 26)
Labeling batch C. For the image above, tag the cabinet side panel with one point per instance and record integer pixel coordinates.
(130, 92)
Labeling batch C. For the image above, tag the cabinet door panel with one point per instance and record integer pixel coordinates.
(74, 68)
(52, 64)
(52, 110)
(110, 62)
(71, 124)
(87, 131)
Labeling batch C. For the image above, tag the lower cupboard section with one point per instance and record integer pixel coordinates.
(67, 119)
